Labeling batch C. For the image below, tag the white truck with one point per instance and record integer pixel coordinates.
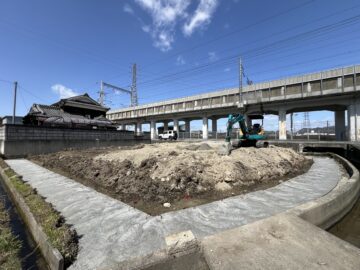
(168, 135)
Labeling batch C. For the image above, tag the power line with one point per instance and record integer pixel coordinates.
(291, 29)
(298, 26)
(31, 94)
(297, 37)
(233, 79)
(199, 45)
(6, 81)
(263, 72)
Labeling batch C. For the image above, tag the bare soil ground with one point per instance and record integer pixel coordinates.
(182, 174)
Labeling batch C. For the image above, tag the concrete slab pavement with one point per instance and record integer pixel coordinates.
(279, 242)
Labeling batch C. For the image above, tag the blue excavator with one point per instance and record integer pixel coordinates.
(250, 135)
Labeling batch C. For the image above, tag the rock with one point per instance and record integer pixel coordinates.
(200, 188)
(167, 205)
(181, 243)
(173, 153)
(228, 180)
(222, 186)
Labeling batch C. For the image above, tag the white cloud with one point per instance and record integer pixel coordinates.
(180, 60)
(146, 28)
(166, 14)
(227, 69)
(63, 91)
(213, 56)
(201, 17)
(128, 9)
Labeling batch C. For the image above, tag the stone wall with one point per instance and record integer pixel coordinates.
(19, 141)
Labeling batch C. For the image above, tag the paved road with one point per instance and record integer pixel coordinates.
(113, 231)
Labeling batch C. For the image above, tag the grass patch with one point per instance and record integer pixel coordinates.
(9, 244)
(61, 235)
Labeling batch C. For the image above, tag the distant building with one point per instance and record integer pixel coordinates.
(75, 112)
(6, 120)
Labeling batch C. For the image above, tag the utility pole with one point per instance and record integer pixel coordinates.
(134, 97)
(327, 128)
(14, 108)
(292, 124)
(241, 72)
(306, 124)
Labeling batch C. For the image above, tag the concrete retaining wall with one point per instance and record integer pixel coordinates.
(50, 254)
(17, 140)
(329, 209)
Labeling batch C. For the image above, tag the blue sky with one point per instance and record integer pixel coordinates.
(59, 48)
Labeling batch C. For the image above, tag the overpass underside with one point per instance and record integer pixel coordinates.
(334, 90)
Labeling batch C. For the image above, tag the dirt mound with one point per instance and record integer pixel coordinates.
(169, 172)
(196, 147)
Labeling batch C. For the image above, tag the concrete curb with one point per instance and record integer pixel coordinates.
(51, 254)
(331, 208)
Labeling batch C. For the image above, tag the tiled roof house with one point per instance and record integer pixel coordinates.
(77, 112)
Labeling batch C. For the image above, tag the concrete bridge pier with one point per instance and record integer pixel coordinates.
(214, 125)
(187, 125)
(138, 127)
(166, 125)
(153, 130)
(176, 125)
(340, 130)
(205, 128)
(282, 125)
(354, 121)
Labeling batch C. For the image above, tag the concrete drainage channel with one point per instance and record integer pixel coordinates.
(29, 253)
(54, 259)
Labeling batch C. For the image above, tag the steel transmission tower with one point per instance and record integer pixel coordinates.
(241, 75)
(134, 96)
(132, 92)
(306, 123)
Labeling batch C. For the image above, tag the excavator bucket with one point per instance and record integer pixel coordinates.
(225, 149)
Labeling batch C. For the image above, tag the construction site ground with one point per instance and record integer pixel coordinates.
(163, 177)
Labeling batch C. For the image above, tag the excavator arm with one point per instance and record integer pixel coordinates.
(233, 119)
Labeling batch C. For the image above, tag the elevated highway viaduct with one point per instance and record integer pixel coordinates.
(334, 90)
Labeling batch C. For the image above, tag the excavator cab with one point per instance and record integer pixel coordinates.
(255, 128)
